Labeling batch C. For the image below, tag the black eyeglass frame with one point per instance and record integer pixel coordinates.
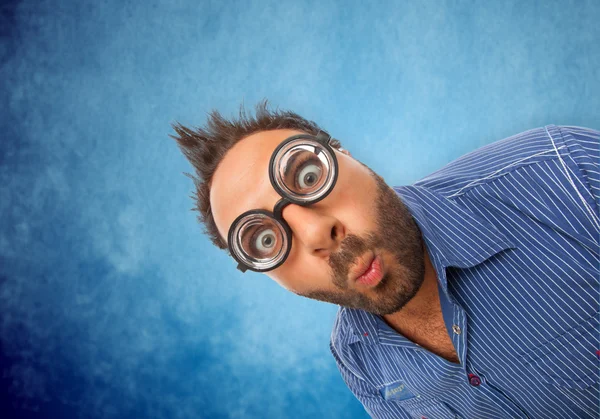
(323, 138)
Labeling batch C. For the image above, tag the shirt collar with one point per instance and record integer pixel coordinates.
(453, 235)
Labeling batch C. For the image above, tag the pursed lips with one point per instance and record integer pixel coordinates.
(362, 266)
(368, 271)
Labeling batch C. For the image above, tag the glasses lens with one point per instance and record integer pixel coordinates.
(304, 169)
(259, 241)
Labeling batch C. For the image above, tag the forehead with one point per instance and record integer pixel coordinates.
(241, 180)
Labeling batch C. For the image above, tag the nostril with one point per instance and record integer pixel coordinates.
(333, 232)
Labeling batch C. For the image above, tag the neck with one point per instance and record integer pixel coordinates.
(421, 319)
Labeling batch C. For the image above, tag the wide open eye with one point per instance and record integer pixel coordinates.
(309, 175)
(264, 241)
(261, 238)
(259, 241)
(303, 170)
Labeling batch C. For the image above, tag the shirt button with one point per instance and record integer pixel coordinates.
(474, 380)
(456, 329)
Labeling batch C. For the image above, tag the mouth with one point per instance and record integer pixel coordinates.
(368, 271)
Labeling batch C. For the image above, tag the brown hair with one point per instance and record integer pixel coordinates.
(205, 147)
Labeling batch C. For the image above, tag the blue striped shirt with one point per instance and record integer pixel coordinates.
(512, 230)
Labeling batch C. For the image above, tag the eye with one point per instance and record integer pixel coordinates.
(264, 241)
(304, 170)
(309, 175)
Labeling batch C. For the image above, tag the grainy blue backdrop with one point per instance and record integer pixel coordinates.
(112, 303)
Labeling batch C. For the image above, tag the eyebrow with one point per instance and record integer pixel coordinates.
(291, 160)
(295, 156)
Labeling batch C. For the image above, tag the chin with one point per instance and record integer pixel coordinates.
(396, 289)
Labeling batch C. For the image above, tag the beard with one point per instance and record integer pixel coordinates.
(396, 233)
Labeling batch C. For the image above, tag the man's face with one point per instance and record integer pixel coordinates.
(334, 240)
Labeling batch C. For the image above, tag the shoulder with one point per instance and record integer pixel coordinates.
(497, 159)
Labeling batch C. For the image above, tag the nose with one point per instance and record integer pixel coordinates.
(319, 233)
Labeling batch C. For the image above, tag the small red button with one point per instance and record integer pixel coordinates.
(474, 380)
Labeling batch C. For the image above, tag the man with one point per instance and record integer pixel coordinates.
(472, 293)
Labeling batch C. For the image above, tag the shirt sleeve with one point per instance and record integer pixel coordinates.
(368, 395)
(584, 148)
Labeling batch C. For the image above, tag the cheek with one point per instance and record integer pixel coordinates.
(356, 205)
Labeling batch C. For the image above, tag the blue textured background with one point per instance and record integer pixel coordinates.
(112, 303)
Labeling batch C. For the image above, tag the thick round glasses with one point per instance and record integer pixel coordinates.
(303, 170)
